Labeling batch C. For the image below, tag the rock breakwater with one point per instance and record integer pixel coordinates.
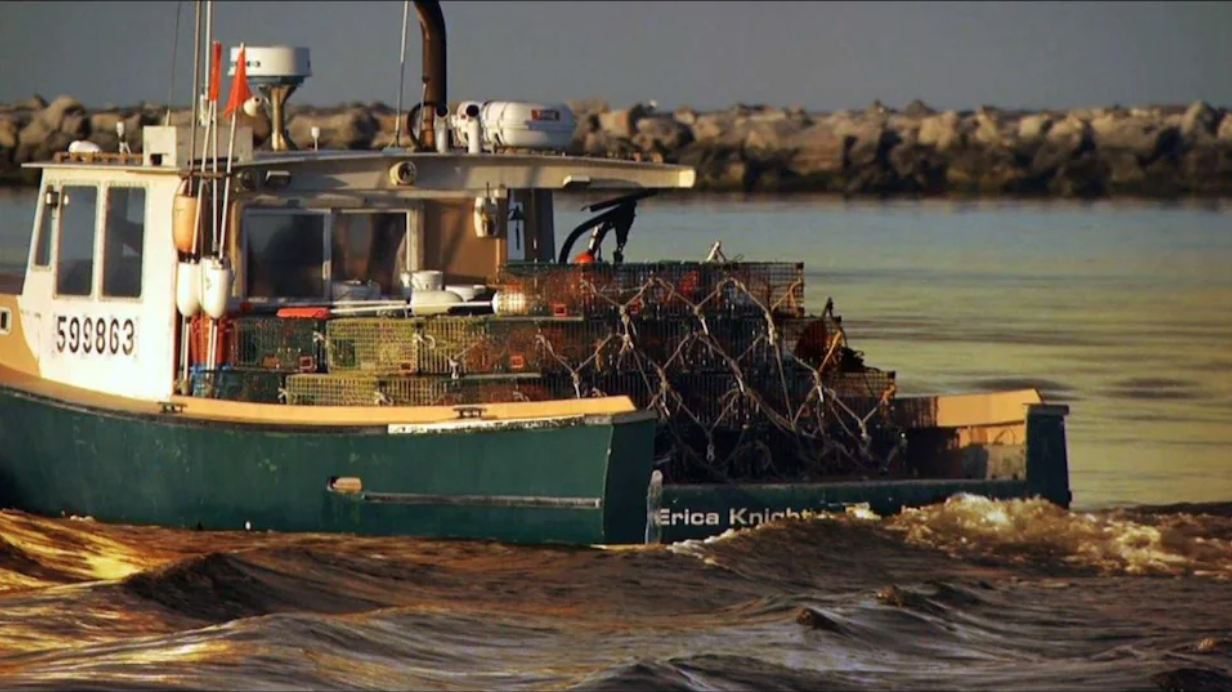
(1151, 151)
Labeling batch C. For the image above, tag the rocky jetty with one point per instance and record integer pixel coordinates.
(1152, 151)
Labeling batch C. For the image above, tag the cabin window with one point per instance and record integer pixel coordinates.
(285, 256)
(42, 246)
(75, 252)
(367, 247)
(6, 321)
(124, 241)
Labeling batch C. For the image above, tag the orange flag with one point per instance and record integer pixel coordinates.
(216, 72)
(239, 84)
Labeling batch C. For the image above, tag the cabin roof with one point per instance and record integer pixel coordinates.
(338, 170)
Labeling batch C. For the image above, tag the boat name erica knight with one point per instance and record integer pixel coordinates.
(736, 516)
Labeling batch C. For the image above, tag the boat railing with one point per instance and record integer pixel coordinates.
(98, 157)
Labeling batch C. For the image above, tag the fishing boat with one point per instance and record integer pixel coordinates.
(395, 342)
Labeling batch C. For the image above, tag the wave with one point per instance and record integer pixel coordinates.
(1040, 533)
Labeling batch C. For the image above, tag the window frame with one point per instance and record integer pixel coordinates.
(53, 229)
(102, 242)
(413, 209)
(95, 265)
(412, 220)
(246, 252)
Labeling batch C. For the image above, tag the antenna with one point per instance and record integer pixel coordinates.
(175, 53)
(406, 16)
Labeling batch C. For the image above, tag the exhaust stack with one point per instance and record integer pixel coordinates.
(432, 26)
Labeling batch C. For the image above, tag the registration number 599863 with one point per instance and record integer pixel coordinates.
(95, 335)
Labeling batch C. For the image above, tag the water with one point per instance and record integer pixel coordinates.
(1123, 311)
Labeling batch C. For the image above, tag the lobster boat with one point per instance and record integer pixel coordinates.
(221, 336)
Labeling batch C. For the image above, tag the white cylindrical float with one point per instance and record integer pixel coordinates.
(188, 288)
(215, 287)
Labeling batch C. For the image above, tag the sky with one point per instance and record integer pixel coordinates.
(821, 55)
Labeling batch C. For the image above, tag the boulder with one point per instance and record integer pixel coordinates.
(1124, 170)
(862, 137)
(918, 108)
(104, 122)
(34, 103)
(35, 133)
(76, 125)
(602, 144)
(986, 129)
(661, 134)
(1084, 176)
(1070, 134)
(1224, 133)
(623, 123)
(918, 169)
(352, 128)
(685, 116)
(876, 108)
(584, 107)
(8, 133)
(1033, 128)
(816, 150)
(55, 112)
(713, 127)
(51, 145)
(183, 116)
(719, 167)
(798, 113)
(942, 132)
(771, 135)
(1200, 121)
(387, 125)
(1132, 134)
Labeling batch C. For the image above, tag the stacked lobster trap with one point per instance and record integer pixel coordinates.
(745, 384)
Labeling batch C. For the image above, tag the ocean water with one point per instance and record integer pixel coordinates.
(1123, 311)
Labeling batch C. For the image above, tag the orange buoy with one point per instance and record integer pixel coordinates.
(183, 219)
(689, 284)
(584, 257)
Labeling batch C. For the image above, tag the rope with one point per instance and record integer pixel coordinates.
(824, 429)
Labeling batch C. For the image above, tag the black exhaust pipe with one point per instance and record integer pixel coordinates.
(432, 25)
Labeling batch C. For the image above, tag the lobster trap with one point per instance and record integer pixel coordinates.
(374, 345)
(418, 390)
(275, 343)
(651, 289)
(256, 386)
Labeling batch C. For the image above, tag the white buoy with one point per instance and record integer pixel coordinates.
(83, 146)
(215, 287)
(188, 288)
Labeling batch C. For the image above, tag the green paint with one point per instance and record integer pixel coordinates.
(114, 468)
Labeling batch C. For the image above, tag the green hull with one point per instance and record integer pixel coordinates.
(700, 511)
(577, 481)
